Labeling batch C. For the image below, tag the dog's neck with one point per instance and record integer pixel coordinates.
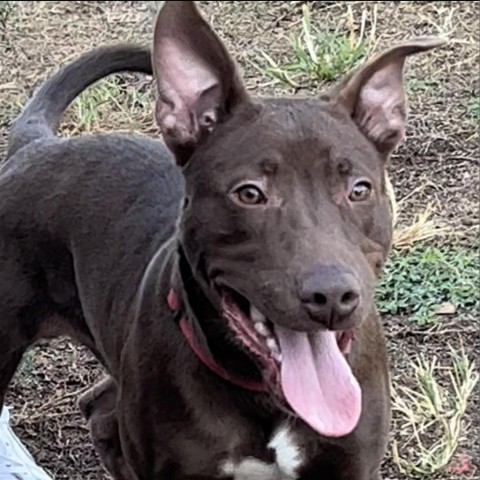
(205, 331)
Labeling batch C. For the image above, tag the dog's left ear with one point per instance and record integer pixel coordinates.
(197, 80)
(375, 95)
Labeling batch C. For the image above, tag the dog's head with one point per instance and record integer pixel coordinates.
(287, 221)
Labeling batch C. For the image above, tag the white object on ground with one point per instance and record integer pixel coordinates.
(16, 462)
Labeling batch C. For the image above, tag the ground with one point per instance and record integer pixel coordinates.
(435, 171)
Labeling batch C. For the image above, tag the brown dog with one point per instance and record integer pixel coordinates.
(229, 296)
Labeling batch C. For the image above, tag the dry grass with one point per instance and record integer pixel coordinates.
(422, 229)
(431, 417)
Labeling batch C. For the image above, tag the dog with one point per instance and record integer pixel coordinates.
(98, 407)
(223, 275)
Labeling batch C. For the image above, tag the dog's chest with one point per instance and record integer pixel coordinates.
(287, 458)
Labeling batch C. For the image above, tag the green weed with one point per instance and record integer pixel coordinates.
(5, 11)
(474, 108)
(416, 281)
(318, 56)
(110, 97)
(24, 376)
(416, 85)
(88, 103)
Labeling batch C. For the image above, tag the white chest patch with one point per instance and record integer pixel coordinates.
(288, 460)
(287, 452)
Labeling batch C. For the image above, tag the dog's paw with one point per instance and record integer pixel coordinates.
(252, 469)
(249, 469)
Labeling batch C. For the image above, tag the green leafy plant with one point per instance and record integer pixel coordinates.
(416, 281)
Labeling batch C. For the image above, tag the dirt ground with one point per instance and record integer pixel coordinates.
(438, 164)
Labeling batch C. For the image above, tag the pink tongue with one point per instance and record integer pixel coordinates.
(318, 382)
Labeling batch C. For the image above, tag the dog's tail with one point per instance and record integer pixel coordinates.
(42, 113)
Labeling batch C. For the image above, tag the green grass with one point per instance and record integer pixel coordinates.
(318, 56)
(87, 105)
(24, 377)
(416, 281)
(474, 108)
(107, 98)
(5, 8)
(417, 85)
(5, 11)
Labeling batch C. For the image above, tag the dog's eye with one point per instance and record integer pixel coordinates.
(361, 191)
(250, 195)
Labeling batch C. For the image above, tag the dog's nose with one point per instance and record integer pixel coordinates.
(331, 295)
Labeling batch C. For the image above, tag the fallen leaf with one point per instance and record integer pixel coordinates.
(446, 308)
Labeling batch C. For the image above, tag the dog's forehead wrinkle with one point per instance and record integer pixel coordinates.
(281, 118)
(270, 165)
(315, 119)
(320, 133)
(283, 132)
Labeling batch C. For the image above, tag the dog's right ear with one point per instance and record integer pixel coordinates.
(197, 80)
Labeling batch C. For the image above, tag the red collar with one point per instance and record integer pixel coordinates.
(174, 304)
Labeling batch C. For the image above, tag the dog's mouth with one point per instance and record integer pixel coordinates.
(250, 326)
(307, 369)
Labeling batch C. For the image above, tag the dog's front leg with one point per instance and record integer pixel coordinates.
(131, 443)
(145, 409)
(140, 447)
(98, 406)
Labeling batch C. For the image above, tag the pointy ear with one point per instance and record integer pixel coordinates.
(197, 80)
(374, 96)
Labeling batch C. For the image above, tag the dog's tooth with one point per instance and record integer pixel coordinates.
(272, 345)
(256, 315)
(262, 329)
(274, 349)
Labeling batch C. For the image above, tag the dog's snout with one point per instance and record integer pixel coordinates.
(331, 295)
